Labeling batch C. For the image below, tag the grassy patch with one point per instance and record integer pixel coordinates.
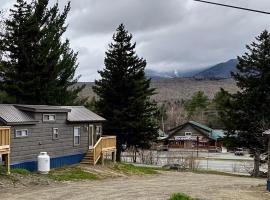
(201, 171)
(132, 169)
(71, 174)
(180, 196)
(20, 171)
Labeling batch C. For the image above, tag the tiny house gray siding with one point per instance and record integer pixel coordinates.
(40, 138)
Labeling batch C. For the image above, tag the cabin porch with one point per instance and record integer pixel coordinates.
(105, 145)
(5, 147)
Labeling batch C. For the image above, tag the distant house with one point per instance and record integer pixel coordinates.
(191, 134)
(67, 133)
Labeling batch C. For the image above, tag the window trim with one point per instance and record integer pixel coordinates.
(53, 134)
(45, 120)
(189, 133)
(76, 127)
(17, 130)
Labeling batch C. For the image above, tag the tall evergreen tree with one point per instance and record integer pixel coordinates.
(39, 67)
(124, 95)
(247, 113)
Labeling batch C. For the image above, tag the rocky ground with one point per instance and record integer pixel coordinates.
(142, 187)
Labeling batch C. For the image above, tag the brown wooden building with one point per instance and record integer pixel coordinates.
(192, 135)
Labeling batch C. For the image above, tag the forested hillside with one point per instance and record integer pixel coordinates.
(179, 88)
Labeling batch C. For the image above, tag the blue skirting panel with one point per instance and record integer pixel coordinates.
(54, 162)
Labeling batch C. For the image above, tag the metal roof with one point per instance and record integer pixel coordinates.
(82, 114)
(19, 114)
(11, 115)
(211, 133)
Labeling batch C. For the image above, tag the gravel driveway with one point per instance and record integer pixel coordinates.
(156, 187)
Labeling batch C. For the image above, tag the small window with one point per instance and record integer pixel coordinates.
(77, 136)
(21, 133)
(98, 130)
(48, 117)
(55, 134)
(188, 133)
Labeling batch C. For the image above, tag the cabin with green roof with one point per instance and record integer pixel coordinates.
(193, 135)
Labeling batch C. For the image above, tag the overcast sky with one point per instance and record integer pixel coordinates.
(170, 34)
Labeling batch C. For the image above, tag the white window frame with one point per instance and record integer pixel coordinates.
(100, 130)
(188, 133)
(91, 127)
(49, 120)
(20, 130)
(79, 135)
(53, 134)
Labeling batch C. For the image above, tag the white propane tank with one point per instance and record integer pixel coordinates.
(43, 163)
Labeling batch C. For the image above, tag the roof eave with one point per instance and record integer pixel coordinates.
(62, 110)
(86, 121)
(22, 123)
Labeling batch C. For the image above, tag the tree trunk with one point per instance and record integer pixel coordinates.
(134, 154)
(256, 163)
(118, 148)
(268, 175)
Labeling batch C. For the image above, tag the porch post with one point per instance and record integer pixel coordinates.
(8, 163)
(113, 156)
(102, 158)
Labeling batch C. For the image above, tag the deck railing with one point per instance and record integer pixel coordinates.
(4, 138)
(105, 143)
(5, 146)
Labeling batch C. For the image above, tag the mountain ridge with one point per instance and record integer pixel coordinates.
(218, 71)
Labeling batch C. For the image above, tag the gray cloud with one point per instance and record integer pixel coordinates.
(172, 34)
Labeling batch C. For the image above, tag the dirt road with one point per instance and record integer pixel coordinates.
(156, 187)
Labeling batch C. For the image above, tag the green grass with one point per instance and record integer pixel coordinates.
(180, 196)
(71, 174)
(132, 169)
(20, 171)
(202, 171)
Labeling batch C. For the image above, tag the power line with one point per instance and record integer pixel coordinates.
(236, 7)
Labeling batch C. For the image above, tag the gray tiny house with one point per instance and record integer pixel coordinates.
(65, 132)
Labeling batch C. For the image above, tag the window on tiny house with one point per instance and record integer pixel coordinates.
(21, 133)
(77, 136)
(48, 117)
(98, 131)
(55, 134)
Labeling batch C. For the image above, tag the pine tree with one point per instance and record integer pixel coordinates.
(39, 67)
(247, 113)
(124, 95)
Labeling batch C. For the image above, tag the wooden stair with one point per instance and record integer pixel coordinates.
(104, 144)
(89, 158)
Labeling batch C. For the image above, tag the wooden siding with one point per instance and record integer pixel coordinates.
(40, 138)
(189, 128)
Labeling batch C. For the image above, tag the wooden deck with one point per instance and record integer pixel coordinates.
(5, 146)
(105, 144)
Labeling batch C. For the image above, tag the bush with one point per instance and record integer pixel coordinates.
(180, 196)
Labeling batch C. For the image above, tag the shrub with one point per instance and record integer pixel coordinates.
(180, 196)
